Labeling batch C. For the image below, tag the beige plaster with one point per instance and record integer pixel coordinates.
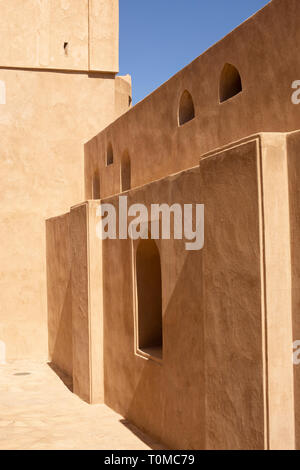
(59, 289)
(238, 331)
(35, 34)
(293, 147)
(150, 132)
(208, 390)
(46, 118)
(224, 378)
(87, 304)
(39, 412)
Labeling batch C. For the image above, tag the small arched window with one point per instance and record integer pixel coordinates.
(230, 82)
(96, 186)
(109, 155)
(186, 108)
(125, 172)
(149, 298)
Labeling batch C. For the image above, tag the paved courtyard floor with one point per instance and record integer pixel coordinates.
(38, 411)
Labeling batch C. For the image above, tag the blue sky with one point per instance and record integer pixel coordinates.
(160, 37)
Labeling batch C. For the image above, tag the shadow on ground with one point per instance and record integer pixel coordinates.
(62, 375)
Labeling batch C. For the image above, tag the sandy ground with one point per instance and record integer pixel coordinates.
(38, 411)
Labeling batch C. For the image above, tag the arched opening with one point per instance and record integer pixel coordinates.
(230, 82)
(96, 186)
(149, 298)
(109, 155)
(125, 172)
(186, 108)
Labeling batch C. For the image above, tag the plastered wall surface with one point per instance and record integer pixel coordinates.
(211, 316)
(104, 35)
(226, 380)
(59, 288)
(75, 308)
(150, 132)
(226, 377)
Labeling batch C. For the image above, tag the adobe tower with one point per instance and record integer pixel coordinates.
(200, 355)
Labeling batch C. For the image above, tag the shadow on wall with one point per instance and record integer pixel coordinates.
(125, 172)
(149, 298)
(229, 84)
(2, 92)
(208, 390)
(96, 186)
